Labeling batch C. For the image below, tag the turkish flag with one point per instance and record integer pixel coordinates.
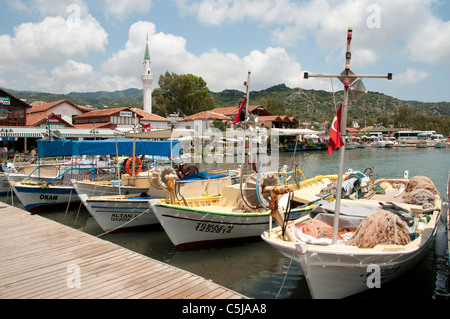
(335, 140)
(240, 116)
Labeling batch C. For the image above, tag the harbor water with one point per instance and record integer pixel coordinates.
(255, 269)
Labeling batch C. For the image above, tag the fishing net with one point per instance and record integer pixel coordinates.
(381, 227)
(316, 229)
(420, 190)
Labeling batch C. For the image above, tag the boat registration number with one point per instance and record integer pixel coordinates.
(213, 228)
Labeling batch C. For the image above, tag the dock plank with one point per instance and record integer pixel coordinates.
(35, 254)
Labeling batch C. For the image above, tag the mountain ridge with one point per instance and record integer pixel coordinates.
(307, 105)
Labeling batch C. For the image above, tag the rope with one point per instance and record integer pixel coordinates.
(114, 229)
(68, 203)
(288, 212)
(257, 193)
(285, 276)
(76, 217)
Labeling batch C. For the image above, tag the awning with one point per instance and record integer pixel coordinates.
(55, 148)
(39, 132)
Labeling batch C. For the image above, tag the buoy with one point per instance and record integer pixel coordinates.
(441, 240)
(129, 163)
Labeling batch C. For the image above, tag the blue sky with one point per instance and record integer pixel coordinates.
(59, 46)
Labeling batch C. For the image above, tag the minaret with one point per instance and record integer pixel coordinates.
(147, 80)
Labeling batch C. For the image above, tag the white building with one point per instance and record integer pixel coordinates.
(64, 108)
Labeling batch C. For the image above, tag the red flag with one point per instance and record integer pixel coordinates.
(238, 117)
(147, 128)
(335, 140)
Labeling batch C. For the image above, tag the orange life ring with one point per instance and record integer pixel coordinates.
(129, 163)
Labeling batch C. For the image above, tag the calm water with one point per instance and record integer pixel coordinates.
(257, 270)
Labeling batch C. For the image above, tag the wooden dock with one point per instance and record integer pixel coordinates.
(43, 259)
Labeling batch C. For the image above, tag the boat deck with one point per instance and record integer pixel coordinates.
(42, 259)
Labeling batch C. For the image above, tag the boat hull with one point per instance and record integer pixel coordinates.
(334, 272)
(333, 275)
(97, 189)
(189, 227)
(5, 178)
(35, 198)
(119, 212)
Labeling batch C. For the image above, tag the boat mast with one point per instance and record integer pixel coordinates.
(347, 77)
(247, 95)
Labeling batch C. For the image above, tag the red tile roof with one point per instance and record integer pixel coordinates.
(210, 115)
(273, 118)
(149, 116)
(36, 119)
(42, 106)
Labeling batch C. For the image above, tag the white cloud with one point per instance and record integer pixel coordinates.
(411, 76)
(219, 69)
(431, 43)
(52, 40)
(381, 26)
(42, 55)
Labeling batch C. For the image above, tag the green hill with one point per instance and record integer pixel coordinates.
(313, 106)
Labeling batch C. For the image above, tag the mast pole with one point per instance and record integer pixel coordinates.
(347, 77)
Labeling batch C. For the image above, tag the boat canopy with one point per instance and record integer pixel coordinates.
(62, 147)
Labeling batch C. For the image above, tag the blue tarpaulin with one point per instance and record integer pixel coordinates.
(55, 148)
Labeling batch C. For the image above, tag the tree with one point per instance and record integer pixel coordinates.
(186, 92)
(274, 106)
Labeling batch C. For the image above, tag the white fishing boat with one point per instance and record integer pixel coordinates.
(368, 256)
(422, 144)
(378, 144)
(439, 143)
(39, 195)
(361, 145)
(347, 247)
(120, 211)
(18, 173)
(239, 212)
(148, 182)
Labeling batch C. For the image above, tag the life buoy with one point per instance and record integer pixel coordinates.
(129, 163)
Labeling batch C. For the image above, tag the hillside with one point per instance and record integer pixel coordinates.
(318, 106)
(306, 105)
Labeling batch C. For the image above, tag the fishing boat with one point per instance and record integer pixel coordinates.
(37, 195)
(438, 142)
(378, 144)
(422, 144)
(16, 173)
(363, 254)
(133, 210)
(349, 246)
(241, 211)
(145, 182)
